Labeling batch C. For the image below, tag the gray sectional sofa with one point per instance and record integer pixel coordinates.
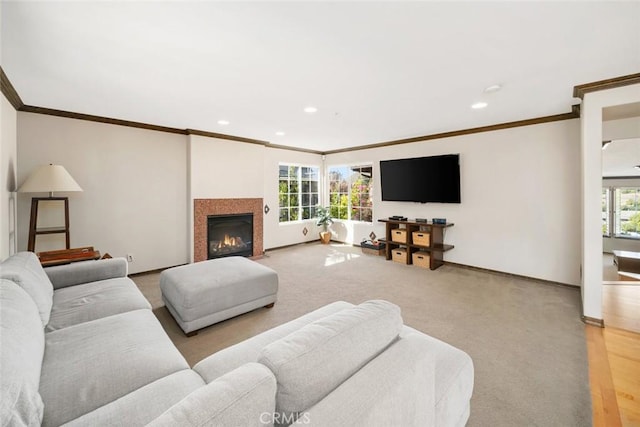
(79, 346)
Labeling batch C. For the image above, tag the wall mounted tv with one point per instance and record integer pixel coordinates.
(421, 179)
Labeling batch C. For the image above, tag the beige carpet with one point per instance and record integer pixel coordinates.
(525, 338)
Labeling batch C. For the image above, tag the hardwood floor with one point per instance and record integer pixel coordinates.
(614, 358)
(621, 306)
(603, 395)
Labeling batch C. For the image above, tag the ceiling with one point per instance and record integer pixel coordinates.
(376, 71)
(620, 158)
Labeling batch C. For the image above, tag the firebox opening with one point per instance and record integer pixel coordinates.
(229, 235)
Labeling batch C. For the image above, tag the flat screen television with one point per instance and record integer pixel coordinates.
(421, 179)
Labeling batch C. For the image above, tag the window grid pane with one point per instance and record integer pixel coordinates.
(627, 212)
(298, 192)
(606, 209)
(350, 192)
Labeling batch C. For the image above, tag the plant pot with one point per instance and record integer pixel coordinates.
(325, 237)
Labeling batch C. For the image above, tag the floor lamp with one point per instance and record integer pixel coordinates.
(48, 179)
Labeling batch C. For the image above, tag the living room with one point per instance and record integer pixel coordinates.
(141, 181)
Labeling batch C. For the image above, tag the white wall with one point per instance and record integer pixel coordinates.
(621, 129)
(612, 130)
(222, 169)
(134, 181)
(520, 210)
(225, 169)
(277, 234)
(8, 159)
(591, 127)
(612, 243)
(229, 169)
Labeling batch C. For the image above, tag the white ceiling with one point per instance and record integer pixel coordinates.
(620, 158)
(376, 71)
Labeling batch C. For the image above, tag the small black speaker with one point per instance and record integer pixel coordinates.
(439, 220)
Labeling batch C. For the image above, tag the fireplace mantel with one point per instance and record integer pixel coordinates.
(205, 207)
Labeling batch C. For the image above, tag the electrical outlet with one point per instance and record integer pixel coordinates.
(129, 257)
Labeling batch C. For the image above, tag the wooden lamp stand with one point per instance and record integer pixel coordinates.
(33, 223)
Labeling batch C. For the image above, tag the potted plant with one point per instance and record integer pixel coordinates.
(324, 219)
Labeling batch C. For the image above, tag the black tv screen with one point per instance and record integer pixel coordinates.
(421, 179)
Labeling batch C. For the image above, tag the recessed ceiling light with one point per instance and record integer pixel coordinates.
(492, 88)
(637, 166)
(280, 133)
(310, 109)
(479, 105)
(223, 122)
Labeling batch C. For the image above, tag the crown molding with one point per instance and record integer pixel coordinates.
(249, 141)
(224, 136)
(301, 150)
(580, 90)
(99, 119)
(12, 96)
(574, 114)
(9, 91)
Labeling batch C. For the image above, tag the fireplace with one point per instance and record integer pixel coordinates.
(229, 235)
(204, 208)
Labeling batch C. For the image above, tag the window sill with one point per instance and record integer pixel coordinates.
(619, 236)
(299, 221)
(353, 221)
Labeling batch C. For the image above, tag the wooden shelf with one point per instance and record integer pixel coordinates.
(66, 256)
(436, 248)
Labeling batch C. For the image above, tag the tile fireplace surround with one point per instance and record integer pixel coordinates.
(205, 207)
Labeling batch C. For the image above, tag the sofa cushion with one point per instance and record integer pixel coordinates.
(394, 389)
(142, 406)
(312, 361)
(82, 303)
(78, 273)
(21, 352)
(230, 358)
(454, 375)
(243, 397)
(94, 363)
(25, 270)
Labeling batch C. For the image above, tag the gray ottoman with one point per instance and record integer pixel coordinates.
(207, 292)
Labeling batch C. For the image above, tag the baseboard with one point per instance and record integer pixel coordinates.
(503, 273)
(517, 276)
(155, 270)
(593, 321)
(291, 245)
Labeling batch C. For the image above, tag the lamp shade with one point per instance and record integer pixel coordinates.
(49, 178)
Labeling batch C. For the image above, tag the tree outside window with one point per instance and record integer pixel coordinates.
(298, 192)
(627, 212)
(350, 192)
(606, 209)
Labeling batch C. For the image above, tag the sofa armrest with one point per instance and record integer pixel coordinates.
(395, 388)
(86, 271)
(245, 396)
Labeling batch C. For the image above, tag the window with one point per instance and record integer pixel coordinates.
(627, 212)
(298, 192)
(606, 210)
(350, 192)
(621, 212)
